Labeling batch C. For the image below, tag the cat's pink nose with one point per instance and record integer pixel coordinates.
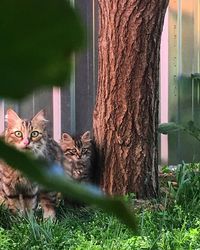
(26, 141)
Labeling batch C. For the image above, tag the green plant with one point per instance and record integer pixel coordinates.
(86, 228)
(165, 169)
(187, 191)
(171, 127)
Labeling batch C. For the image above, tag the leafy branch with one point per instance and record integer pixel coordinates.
(171, 127)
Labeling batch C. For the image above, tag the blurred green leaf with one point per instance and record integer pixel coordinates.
(37, 40)
(52, 177)
(170, 127)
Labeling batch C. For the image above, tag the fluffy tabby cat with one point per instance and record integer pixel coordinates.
(17, 192)
(79, 156)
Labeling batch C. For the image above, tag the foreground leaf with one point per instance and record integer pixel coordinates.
(53, 178)
(37, 40)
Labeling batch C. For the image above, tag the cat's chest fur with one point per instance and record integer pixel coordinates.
(49, 150)
(14, 182)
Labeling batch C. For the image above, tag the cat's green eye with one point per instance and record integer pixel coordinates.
(18, 134)
(34, 134)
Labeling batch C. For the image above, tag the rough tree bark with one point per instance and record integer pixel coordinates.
(126, 113)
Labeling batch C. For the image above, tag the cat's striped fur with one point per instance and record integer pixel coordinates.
(17, 192)
(79, 156)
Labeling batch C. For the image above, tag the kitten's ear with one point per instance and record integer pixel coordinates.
(11, 117)
(66, 137)
(86, 136)
(40, 117)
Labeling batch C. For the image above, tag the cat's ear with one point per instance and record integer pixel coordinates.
(66, 137)
(11, 117)
(86, 136)
(40, 117)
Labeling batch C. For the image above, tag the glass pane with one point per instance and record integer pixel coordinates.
(183, 92)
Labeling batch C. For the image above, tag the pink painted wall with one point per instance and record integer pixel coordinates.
(164, 70)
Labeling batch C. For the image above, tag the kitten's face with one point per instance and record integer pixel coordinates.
(24, 134)
(76, 149)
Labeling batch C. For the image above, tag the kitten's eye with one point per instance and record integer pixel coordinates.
(34, 134)
(84, 150)
(18, 134)
(72, 151)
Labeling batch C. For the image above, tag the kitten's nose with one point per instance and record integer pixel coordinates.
(26, 141)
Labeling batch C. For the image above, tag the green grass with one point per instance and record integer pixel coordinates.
(172, 223)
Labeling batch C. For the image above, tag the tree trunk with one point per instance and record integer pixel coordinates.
(126, 113)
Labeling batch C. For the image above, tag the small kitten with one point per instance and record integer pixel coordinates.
(79, 156)
(17, 192)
